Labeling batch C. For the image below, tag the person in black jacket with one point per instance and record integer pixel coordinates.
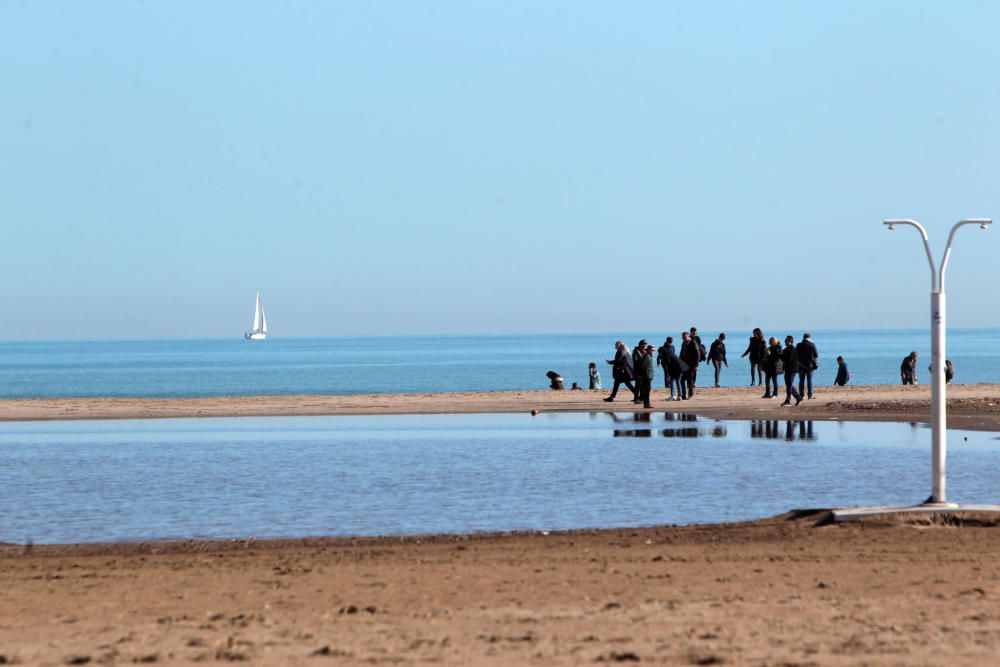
(702, 355)
(756, 349)
(806, 356)
(773, 367)
(908, 369)
(644, 374)
(717, 355)
(621, 370)
(791, 364)
(637, 351)
(843, 375)
(673, 367)
(691, 358)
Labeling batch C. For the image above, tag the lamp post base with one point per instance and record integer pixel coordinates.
(856, 513)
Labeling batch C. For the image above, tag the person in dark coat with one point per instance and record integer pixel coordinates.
(773, 367)
(756, 349)
(673, 367)
(843, 375)
(806, 355)
(621, 370)
(791, 364)
(637, 351)
(908, 369)
(702, 354)
(717, 355)
(644, 375)
(691, 358)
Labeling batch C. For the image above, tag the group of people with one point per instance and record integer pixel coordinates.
(768, 359)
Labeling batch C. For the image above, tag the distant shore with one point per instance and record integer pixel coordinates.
(970, 406)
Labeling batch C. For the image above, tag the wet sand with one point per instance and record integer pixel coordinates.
(974, 406)
(780, 591)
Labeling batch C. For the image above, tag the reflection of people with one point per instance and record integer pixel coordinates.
(843, 375)
(595, 376)
(908, 369)
(949, 371)
(556, 380)
(621, 370)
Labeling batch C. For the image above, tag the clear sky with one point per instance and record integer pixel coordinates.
(467, 167)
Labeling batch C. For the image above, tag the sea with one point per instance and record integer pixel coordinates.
(194, 367)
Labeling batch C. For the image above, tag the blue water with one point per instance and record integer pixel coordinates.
(294, 476)
(232, 367)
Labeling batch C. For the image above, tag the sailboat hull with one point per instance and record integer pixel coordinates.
(255, 335)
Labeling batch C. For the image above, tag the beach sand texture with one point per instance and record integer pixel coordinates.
(772, 592)
(973, 406)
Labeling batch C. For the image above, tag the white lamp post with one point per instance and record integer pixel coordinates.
(939, 444)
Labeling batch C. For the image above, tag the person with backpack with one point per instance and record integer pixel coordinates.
(717, 355)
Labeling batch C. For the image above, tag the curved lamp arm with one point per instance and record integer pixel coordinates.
(891, 224)
(984, 223)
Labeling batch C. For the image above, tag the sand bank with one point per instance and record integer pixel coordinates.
(779, 591)
(975, 406)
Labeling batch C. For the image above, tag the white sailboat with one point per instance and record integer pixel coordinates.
(259, 331)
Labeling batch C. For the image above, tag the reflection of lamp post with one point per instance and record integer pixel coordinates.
(939, 444)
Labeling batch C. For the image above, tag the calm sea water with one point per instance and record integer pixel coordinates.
(231, 367)
(294, 476)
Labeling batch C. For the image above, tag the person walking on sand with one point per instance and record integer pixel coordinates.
(673, 367)
(773, 367)
(843, 375)
(644, 375)
(621, 370)
(789, 361)
(637, 351)
(690, 358)
(756, 349)
(806, 355)
(908, 369)
(717, 355)
(702, 354)
(595, 376)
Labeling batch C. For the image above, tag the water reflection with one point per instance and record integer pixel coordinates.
(644, 418)
(792, 430)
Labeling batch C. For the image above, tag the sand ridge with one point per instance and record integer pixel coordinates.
(973, 406)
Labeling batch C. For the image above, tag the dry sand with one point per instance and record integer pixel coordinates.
(776, 592)
(975, 406)
(783, 591)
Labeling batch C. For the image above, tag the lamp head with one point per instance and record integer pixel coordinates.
(890, 225)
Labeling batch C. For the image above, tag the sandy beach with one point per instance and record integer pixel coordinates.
(777, 592)
(792, 590)
(972, 406)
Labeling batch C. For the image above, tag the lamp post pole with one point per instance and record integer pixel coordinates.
(939, 416)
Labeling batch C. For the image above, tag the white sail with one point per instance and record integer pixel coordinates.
(256, 315)
(263, 321)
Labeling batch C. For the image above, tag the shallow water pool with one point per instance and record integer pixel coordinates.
(88, 481)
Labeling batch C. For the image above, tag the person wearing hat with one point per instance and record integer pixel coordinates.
(806, 356)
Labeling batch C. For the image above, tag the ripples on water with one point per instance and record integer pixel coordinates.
(296, 476)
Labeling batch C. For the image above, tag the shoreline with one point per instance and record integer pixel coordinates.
(970, 406)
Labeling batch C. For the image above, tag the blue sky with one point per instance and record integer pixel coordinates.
(445, 167)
